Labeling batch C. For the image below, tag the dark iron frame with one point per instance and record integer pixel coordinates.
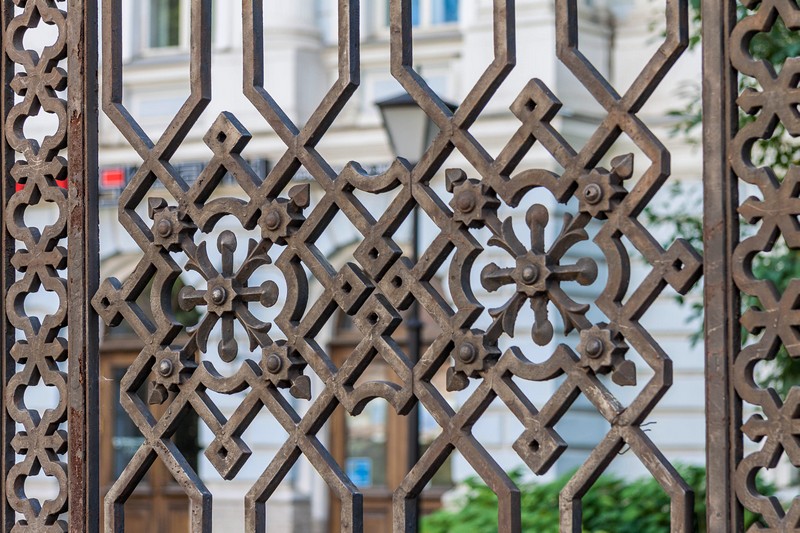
(382, 282)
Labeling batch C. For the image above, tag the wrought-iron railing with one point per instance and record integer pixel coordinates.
(381, 281)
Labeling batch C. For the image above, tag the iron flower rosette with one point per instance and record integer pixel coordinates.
(602, 350)
(600, 191)
(281, 217)
(228, 295)
(284, 369)
(538, 274)
(169, 227)
(473, 202)
(473, 353)
(170, 369)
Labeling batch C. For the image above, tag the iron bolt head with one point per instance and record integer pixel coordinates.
(594, 347)
(467, 352)
(592, 193)
(465, 201)
(164, 228)
(272, 220)
(165, 368)
(274, 363)
(219, 295)
(530, 274)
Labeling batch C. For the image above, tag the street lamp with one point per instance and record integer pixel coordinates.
(411, 131)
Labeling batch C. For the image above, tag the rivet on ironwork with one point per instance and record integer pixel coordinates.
(594, 347)
(592, 193)
(272, 220)
(467, 352)
(164, 228)
(274, 363)
(219, 295)
(165, 368)
(465, 201)
(530, 274)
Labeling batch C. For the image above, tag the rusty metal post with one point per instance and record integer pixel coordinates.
(58, 169)
(720, 235)
(768, 96)
(83, 265)
(7, 276)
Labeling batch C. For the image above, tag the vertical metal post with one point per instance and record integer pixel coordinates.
(82, 260)
(7, 364)
(720, 235)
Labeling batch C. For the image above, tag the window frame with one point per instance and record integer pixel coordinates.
(431, 9)
(184, 23)
(426, 21)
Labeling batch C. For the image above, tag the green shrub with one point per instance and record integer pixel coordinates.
(612, 505)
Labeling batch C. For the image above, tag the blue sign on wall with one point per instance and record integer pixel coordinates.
(359, 470)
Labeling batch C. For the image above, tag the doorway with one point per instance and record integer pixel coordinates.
(373, 447)
(158, 504)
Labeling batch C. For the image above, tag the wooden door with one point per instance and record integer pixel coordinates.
(373, 447)
(157, 505)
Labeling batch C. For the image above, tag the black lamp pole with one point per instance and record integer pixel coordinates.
(414, 332)
(410, 133)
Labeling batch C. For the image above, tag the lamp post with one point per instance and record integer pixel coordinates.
(411, 131)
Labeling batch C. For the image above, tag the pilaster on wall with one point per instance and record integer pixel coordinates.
(293, 46)
(536, 51)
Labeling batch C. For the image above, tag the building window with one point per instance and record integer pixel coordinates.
(165, 23)
(430, 12)
(444, 11)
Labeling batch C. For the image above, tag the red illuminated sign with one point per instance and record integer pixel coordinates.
(112, 178)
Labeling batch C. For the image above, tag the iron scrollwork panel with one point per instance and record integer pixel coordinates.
(767, 433)
(56, 349)
(381, 281)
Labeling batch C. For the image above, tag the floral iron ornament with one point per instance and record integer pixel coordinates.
(473, 353)
(284, 369)
(171, 369)
(228, 295)
(602, 350)
(281, 217)
(538, 274)
(599, 191)
(473, 202)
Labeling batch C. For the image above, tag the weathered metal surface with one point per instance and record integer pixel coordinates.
(83, 257)
(769, 215)
(721, 297)
(7, 363)
(382, 281)
(36, 259)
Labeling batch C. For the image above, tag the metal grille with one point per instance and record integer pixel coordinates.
(58, 350)
(767, 94)
(382, 281)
